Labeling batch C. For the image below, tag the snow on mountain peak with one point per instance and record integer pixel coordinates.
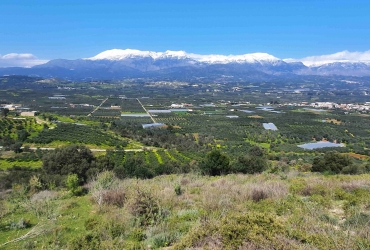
(119, 54)
(249, 58)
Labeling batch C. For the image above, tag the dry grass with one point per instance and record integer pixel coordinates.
(326, 186)
(115, 197)
(351, 185)
(150, 213)
(218, 194)
(44, 195)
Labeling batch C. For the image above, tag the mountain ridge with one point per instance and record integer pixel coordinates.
(118, 63)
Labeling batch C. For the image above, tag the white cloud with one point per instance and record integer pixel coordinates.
(20, 60)
(343, 56)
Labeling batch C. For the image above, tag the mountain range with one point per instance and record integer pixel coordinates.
(128, 63)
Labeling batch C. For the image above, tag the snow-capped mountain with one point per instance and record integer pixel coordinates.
(149, 61)
(118, 63)
(343, 68)
(118, 55)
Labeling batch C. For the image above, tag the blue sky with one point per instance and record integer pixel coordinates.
(70, 29)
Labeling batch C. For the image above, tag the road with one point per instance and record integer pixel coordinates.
(98, 107)
(151, 117)
(92, 149)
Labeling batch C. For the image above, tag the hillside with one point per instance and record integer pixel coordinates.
(266, 211)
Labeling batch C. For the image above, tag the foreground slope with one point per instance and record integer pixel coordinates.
(267, 211)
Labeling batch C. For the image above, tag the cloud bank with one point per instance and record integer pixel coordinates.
(20, 60)
(343, 56)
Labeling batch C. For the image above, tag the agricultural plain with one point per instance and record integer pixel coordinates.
(82, 172)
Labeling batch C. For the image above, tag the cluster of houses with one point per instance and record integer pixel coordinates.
(19, 109)
(333, 105)
(182, 105)
(349, 106)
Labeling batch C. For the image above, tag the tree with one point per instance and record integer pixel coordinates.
(333, 162)
(4, 112)
(112, 160)
(72, 159)
(16, 147)
(134, 167)
(215, 163)
(22, 135)
(254, 162)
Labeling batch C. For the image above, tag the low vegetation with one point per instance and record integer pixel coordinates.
(236, 211)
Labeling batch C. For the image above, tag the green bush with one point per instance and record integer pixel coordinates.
(163, 240)
(335, 163)
(254, 227)
(90, 240)
(72, 184)
(254, 162)
(178, 190)
(92, 223)
(215, 163)
(358, 219)
(259, 229)
(137, 234)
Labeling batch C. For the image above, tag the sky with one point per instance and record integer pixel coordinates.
(39, 30)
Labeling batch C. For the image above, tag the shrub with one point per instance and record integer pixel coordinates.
(254, 227)
(215, 163)
(351, 169)
(72, 184)
(42, 208)
(358, 219)
(321, 200)
(178, 190)
(35, 184)
(89, 240)
(145, 207)
(43, 195)
(163, 240)
(184, 181)
(233, 231)
(21, 224)
(115, 197)
(29, 245)
(259, 194)
(254, 162)
(3, 209)
(137, 234)
(16, 175)
(104, 182)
